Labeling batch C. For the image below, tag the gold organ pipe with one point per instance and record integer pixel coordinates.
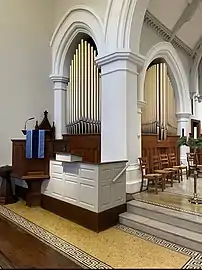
(98, 95)
(70, 95)
(161, 98)
(157, 99)
(89, 84)
(76, 88)
(164, 98)
(95, 88)
(82, 78)
(86, 79)
(92, 105)
(79, 81)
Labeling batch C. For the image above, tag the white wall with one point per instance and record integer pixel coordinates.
(25, 65)
(62, 7)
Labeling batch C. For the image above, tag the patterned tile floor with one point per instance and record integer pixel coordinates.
(118, 247)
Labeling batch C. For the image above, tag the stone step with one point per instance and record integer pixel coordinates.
(171, 233)
(189, 221)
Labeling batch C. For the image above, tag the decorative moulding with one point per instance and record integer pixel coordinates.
(136, 59)
(165, 33)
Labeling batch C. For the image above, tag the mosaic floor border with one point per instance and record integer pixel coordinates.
(84, 259)
(195, 262)
(167, 206)
(75, 254)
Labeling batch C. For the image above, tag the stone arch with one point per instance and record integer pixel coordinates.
(70, 27)
(194, 75)
(123, 24)
(176, 71)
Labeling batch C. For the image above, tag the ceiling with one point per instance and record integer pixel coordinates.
(183, 18)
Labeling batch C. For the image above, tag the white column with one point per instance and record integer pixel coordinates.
(183, 123)
(120, 120)
(198, 108)
(60, 100)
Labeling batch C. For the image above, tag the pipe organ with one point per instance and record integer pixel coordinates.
(83, 99)
(159, 116)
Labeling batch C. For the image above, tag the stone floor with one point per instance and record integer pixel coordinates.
(117, 247)
(176, 197)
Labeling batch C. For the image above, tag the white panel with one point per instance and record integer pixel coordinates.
(71, 190)
(87, 195)
(88, 172)
(58, 187)
(57, 169)
(106, 194)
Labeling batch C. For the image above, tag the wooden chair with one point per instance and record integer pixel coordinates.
(156, 178)
(173, 163)
(165, 165)
(156, 168)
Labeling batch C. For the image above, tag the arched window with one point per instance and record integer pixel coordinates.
(159, 114)
(83, 99)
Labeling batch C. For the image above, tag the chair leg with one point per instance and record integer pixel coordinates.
(181, 175)
(187, 174)
(156, 185)
(171, 179)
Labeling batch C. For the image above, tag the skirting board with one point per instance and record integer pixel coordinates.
(96, 222)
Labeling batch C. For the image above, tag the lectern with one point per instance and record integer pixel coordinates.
(34, 170)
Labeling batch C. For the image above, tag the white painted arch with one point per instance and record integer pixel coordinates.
(78, 20)
(178, 75)
(123, 24)
(194, 87)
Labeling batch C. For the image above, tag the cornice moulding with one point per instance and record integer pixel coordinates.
(165, 33)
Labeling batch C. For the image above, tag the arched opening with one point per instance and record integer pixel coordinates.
(83, 95)
(162, 90)
(159, 113)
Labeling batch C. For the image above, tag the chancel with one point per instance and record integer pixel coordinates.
(101, 128)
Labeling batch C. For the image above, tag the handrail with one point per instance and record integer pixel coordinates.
(118, 175)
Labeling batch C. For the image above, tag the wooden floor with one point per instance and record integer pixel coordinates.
(19, 249)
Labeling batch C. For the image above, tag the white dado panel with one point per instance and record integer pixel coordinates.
(111, 194)
(87, 185)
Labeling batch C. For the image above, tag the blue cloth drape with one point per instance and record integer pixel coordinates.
(35, 143)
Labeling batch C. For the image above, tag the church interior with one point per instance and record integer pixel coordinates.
(101, 148)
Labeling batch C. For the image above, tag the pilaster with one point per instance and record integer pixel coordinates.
(121, 120)
(60, 101)
(183, 126)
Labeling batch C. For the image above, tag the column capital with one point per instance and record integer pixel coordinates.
(60, 82)
(121, 61)
(59, 79)
(183, 115)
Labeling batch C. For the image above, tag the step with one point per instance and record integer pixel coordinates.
(162, 230)
(190, 221)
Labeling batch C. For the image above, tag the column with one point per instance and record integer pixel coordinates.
(120, 120)
(60, 103)
(198, 107)
(183, 123)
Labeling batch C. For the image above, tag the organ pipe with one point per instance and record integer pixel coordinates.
(84, 97)
(161, 109)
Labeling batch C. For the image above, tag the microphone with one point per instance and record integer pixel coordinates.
(31, 118)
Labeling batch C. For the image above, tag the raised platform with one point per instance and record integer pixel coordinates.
(168, 215)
